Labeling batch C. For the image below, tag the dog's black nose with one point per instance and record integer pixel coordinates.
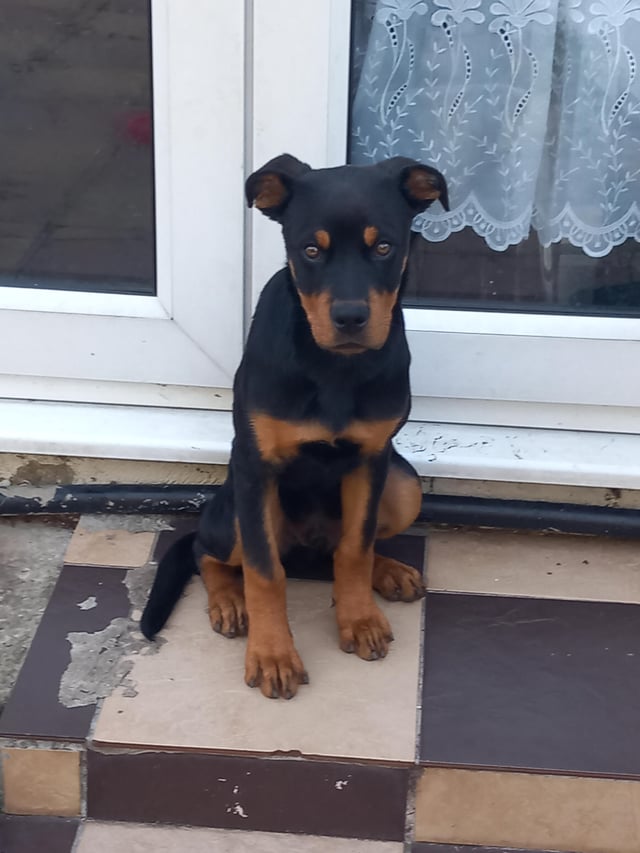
(349, 316)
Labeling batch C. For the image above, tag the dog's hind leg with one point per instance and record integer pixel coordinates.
(218, 553)
(227, 611)
(400, 500)
(399, 508)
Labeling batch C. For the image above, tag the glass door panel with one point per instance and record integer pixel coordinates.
(532, 112)
(76, 196)
(121, 217)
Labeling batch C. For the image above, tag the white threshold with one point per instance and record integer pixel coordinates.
(457, 451)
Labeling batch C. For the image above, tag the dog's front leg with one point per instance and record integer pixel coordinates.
(362, 626)
(271, 662)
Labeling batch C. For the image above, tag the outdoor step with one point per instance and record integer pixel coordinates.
(510, 723)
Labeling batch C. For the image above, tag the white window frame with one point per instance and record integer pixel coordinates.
(182, 346)
(274, 79)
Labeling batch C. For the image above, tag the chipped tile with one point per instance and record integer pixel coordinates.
(118, 548)
(37, 708)
(503, 562)
(192, 788)
(41, 781)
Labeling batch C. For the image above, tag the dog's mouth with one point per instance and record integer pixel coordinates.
(349, 348)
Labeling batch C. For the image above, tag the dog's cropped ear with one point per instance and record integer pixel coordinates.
(269, 189)
(420, 185)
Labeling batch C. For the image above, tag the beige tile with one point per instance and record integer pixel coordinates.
(501, 562)
(192, 693)
(529, 811)
(41, 781)
(118, 548)
(107, 837)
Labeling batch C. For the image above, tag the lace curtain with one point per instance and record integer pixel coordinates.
(530, 108)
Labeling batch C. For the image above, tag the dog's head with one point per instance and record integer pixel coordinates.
(346, 232)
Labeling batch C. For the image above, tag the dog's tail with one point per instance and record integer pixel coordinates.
(174, 572)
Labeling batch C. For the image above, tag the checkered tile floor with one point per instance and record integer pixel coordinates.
(505, 716)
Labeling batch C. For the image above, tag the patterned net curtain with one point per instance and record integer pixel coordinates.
(531, 109)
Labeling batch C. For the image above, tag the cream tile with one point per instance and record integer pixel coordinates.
(523, 810)
(192, 693)
(107, 837)
(117, 548)
(41, 781)
(501, 562)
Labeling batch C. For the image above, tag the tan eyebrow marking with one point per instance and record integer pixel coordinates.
(370, 235)
(323, 238)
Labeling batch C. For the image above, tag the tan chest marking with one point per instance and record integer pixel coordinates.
(280, 440)
(372, 436)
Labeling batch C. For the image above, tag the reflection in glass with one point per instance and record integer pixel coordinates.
(532, 112)
(76, 185)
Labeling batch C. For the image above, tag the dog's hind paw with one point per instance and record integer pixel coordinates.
(227, 612)
(395, 581)
(366, 634)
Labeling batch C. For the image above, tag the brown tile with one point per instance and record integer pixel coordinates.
(192, 693)
(533, 812)
(503, 562)
(119, 548)
(32, 834)
(230, 792)
(407, 548)
(41, 781)
(531, 684)
(166, 538)
(107, 837)
(34, 709)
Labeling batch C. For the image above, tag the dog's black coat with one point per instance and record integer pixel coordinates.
(347, 233)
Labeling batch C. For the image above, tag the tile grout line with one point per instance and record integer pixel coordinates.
(78, 836)
(423, 634)
(410, 817)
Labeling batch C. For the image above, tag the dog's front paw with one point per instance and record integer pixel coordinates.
(273, 664)
(367, 633)
(396, 581)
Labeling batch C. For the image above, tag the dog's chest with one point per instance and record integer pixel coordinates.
(281, 440)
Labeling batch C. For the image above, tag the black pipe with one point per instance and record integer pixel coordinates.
(531, 515)
(436, 509)
(149, 499)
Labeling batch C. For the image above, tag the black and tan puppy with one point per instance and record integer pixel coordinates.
(322, 388)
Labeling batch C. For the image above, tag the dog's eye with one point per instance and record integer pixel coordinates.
(312, 251)
(383, 249)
